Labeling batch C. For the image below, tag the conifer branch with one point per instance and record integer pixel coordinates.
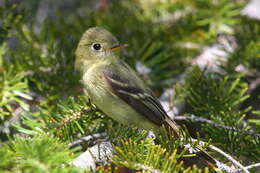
(221, 165)
(89, 138)
(213, 123)
(72, 116)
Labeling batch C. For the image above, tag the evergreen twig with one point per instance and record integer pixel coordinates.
(215, 124)
(88, 138)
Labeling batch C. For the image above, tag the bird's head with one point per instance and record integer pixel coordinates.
(96, 45)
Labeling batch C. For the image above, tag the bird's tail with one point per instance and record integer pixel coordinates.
(206, 157)
(172, 128)
(175, 130)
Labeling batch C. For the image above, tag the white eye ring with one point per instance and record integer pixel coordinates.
(97, 46)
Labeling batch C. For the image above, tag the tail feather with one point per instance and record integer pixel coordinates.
(206, 157)
(172, 128)
(175, 130)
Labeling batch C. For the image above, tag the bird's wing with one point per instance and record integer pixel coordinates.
(127, 86)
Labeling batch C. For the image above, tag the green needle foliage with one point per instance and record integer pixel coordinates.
(72, 117)
(43, 108)
(148, 157)
(13, 90)
(218, 98)
(40, 153)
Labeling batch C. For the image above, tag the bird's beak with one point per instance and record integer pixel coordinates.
(118, 46)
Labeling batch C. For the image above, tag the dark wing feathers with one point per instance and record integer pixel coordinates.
(143, 102)
(140, 100)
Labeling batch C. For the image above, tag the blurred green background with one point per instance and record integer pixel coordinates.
(205, 51)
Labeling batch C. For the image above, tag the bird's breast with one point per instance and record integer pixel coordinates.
(96, 85)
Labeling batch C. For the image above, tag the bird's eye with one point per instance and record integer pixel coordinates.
(96, 46)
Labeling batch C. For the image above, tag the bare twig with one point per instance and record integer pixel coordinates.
(221, 166)
(88, 138)
(253, 166)
(230, 158)
(204, 120)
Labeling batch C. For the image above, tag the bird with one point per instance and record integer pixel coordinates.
(114, 86)
(116, 89)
